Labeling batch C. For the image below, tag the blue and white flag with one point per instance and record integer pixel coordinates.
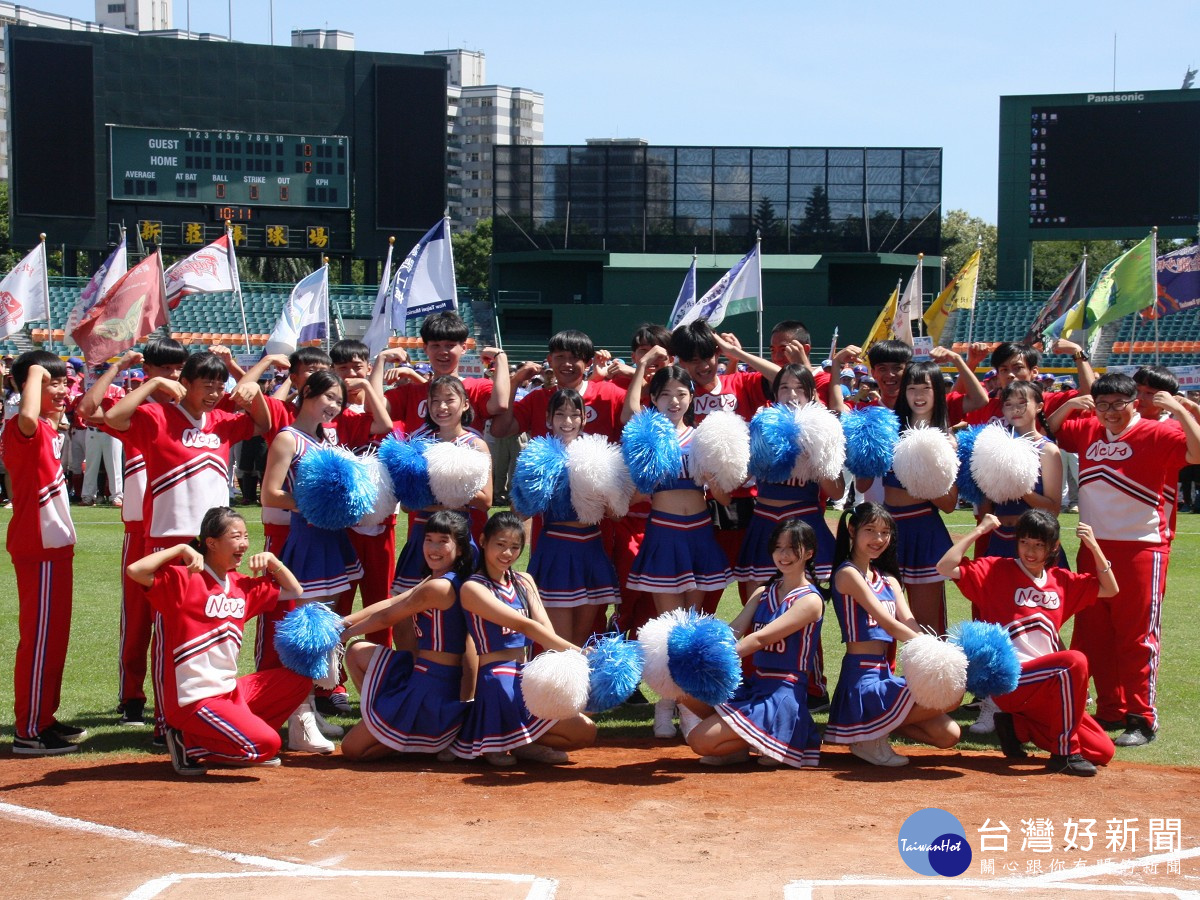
(736, 292)
(105, 277)
(380, 328)
(305, 316)
(687, 296)
(424, 283)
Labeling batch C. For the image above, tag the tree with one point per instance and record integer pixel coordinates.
(960, 236)
(473, 256)
(814, 233)
(765, 219)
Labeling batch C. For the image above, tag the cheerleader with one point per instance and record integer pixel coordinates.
(870, 702)
(680, 562)
(568, 563)
(504, 612)
(410, 703)
(213, 716)
(780, 626)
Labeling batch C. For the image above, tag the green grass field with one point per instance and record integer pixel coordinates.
(90, 683)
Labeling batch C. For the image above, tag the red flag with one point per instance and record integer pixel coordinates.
(132, 308)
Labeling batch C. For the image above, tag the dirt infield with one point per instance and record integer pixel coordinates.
(635, 818)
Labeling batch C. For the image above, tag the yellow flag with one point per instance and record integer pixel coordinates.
(959, 294)
(882, 329)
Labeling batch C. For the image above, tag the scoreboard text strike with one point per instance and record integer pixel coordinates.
(168, 165)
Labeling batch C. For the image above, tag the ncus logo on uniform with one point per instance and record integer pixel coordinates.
(194, 437)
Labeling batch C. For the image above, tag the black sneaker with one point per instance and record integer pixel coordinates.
(1010, 746)
(335, 704)
(818, 704)
(180, 761)
(1069, 765)
(133, 713)
(637, 698)
(158, 742)
(68, 732)
(1111, 724)
(45, 744)
(1138, 733)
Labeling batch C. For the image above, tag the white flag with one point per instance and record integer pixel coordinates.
(305, 316)
(909, 307)
(102, 280)
(380, 328)
(210, 270)
(687, 296)
(736, 292)
(424, 283)
(23, 293)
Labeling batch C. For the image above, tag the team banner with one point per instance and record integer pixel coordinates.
(958, 294)
(736, 292)
(687, 296)
(210, 270)
(23, 293)
(101, 283)
(134, 307)
(1068, 292)
(305, 316)
(1178, 283)
(424, 283)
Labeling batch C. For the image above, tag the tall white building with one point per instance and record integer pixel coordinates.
(134, 15)
(478, 117)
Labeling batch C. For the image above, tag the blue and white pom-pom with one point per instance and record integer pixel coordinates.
(774, 444)
(926, 462)
(540, 474)
(385, 501)
(653, 637)
(936, 672)
(871, 435)
(306, 637)
(822, 444)
(616, 669)
(702, 658)
(968, 489)
(992, 664)
(1006, 466)
(721, 450)
(598, 478)
(651, 449)
(554, 684)
(405, 463)
(333, 488)
(456, 473)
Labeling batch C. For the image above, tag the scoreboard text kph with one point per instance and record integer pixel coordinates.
(169, 165)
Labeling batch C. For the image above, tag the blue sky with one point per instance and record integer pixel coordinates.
(768, 74)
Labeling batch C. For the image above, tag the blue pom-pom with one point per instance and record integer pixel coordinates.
(540, 476)
(774, 444)
(306, 636)
(968, 489)
(651, 449)
(992, 664)
(405, 463)
(702, 659)
(871, 435)
(615, 668)
(333, 488)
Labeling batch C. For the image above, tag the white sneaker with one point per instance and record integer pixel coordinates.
(664, 719)
(500, 760)
(687, 720)
(303, 733)
(447, 756)
(878, 753)
(727, 759)
(327, 728)
(540, 753)
(986, 723)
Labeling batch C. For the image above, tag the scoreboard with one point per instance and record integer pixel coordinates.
(228, 167)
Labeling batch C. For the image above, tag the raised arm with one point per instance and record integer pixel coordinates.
(731, 347)
(119, 416)
(633, 394)
(381, 419)
(501, 396)
(976, 397)
(89, 406)
(143, 570)
(948, 565)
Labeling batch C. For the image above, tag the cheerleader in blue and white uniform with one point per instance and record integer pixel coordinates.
(573, 573)
(780, 626)
(411, 703)
(870, 701)
(504, 613)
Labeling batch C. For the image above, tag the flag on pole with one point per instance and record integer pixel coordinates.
(1124, 286)
(424, 283)
(958, 294)
(380, 328)
(101, 283)
(1178, 283)
(23, 293)
(908, 308)
(885, 323)
(736, 292)
(1068, 292)
(210, 270)
(687, 296)
(305, 316)
(133, 308)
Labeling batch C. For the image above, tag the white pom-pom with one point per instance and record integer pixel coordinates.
(1005, 467)
(653, 637)
(555, 684)
(936, 672)
(925, 462)
(456, 473)
(598, 478)
(386, 504)
(721, 450)
(822, 444)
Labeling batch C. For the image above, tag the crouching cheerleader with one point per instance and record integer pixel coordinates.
(412, 705)
(780, 625)
(503, 612)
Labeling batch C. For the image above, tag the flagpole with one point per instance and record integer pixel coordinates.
(387, 299)
(758, 248)
(237, 283)
(46, 293)
(328, 326)
(1153, 274)
(920, 273)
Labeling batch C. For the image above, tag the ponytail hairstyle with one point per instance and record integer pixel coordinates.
(923, 373)
(856, 518)
(454, 524)
(674, 373)
(506, 520)
(214, 524)
(799, 536)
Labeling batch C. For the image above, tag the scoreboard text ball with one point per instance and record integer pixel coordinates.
(167, 165)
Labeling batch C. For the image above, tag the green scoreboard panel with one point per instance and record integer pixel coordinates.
(239, 168)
